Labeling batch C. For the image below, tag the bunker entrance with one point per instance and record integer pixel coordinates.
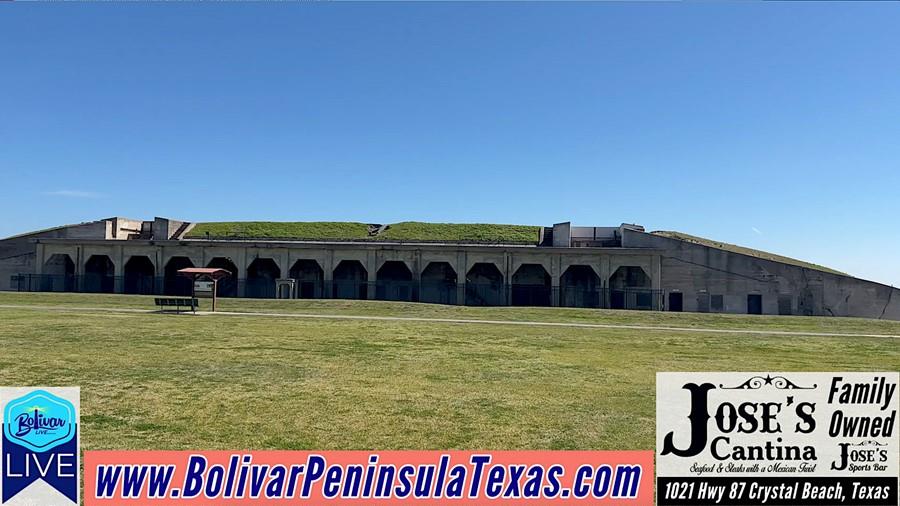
(484, 286)
(99, 275)
(676, 302)
(531, 286)
(140, 276)
(393, 281)
(173, 283)
(309, 276)
(261, 276)
(630, 288)
(580, 287)
(350, 280)
(228, 285)
(438, 284)
(754, 303)
(58, 274)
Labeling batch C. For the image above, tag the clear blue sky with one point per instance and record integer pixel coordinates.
(770, 125)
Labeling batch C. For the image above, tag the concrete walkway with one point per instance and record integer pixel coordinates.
(459, 321)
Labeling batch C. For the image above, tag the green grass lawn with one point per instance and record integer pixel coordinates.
(322, 230)
(458, 232)
(403, 231)
(155, 381)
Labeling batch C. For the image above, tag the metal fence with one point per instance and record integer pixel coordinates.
(442, 292)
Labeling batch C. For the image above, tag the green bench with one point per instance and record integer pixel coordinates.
(177, 302)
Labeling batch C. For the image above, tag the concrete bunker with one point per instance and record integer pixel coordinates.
(139, 276)
(630, 288)
(394, 281)
(438, 284)
(261, 276)
(227, 286)
(531, 286)
(350, 280)
(580, 287)
(173, 284)
(99, 275)
(309, 276)
(58, 274)
(484, 286)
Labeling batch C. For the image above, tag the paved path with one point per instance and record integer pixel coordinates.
(462, 321)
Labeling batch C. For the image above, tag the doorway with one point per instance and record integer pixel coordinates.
(754, 303)
(676, 302)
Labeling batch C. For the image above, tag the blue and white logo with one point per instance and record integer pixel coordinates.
(39, 446)
(39, 421)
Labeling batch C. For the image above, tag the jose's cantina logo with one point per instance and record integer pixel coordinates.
(731, 419)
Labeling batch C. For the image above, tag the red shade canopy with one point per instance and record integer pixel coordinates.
(193, 272)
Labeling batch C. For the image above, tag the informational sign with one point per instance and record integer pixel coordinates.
(204, 288)
(777, 438)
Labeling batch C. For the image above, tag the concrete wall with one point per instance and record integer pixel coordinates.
(17, 253)
(372, 256)
(699, 272)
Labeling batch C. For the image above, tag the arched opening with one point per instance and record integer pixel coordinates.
(227, 286)
(173, 284)
(531, 286)
(580, 287)
(438, 284)
(261, 276)
(58, 274)
(99, 275)
(393, 281)
(484, 286)
(309, 276)
(630, 288)
(139, 276)
(350, 280)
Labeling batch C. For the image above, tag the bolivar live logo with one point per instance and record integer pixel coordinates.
(39, 446)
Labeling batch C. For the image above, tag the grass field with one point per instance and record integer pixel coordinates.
(155, 381)
(403, 231)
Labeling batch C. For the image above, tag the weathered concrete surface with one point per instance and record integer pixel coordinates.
(705, 276)
(699, 271)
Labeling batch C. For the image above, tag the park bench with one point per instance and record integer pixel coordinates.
(180, 302)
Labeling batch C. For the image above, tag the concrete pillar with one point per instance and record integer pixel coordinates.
(159, 271)
(119, 269)
(656, 273)
(555, 274)
(604, 271)
(328, 273)
(416, 269)
(281, 260)
(241, 263)
(462, 268)
(39, 259)
(507, 276)
(372, 272)
(79, 261)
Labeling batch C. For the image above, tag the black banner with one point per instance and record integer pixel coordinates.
(777, 491)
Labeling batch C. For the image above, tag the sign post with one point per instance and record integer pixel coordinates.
(206, 281)
(203, 288)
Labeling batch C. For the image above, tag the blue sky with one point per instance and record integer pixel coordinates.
(770, 125)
